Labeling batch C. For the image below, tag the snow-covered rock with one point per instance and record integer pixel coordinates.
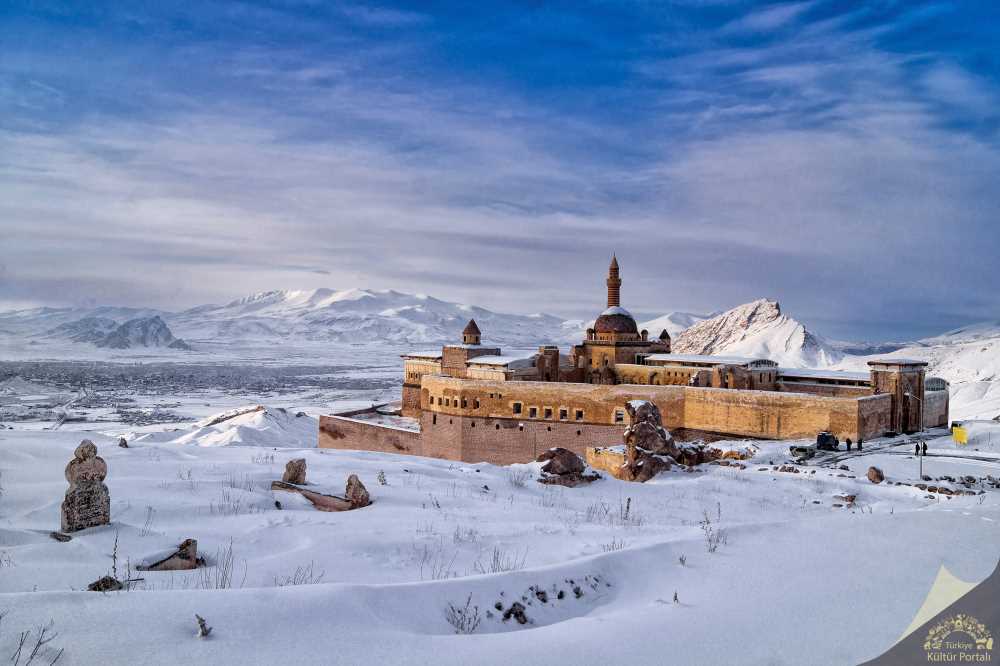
(757, 329)
(87, 329)
(142, 332)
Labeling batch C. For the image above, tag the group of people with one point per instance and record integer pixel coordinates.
(848, 442)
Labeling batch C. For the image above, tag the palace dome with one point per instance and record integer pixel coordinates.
(616, 320)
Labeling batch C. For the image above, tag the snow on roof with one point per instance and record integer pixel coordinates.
(506, 360)
(807, 373)
(703, 358)
(423, 354)
(889, 360)
(615, 310)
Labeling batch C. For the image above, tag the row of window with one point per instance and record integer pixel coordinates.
(518, 408)
(547, 413)
(472, 424)
(449, 402)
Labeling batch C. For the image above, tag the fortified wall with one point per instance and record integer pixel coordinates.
(506, 422)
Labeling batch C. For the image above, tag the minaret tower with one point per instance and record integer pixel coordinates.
(614, 284)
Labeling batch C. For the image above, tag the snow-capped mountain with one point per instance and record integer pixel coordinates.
(88, 329)
(575, 330)
(673, 322)
(142, 332)
(104, 332)
(356, 316)
(757, 329)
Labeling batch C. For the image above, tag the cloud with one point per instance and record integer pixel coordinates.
(768, 19)
(822, 169)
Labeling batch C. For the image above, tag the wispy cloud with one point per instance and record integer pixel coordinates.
(769, 18)
(836, 167)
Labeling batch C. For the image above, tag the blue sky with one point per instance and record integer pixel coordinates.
(841, 157)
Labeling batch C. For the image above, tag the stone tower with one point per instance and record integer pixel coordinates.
(471, 334)
(665, 340)
(903, 379)
(614, 284)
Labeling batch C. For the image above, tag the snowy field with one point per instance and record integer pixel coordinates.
(794, 579)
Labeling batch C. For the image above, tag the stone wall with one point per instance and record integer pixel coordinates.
(411, 401)
(936, 408)
(874, 416)
(828, 390)
(762, 414)
(506, 441)
(338, 432)
(768, 414)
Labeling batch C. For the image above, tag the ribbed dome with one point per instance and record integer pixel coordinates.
(471, 328)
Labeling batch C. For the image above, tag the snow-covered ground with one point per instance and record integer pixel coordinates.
(796, 579)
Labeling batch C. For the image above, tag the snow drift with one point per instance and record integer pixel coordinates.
(252, 425)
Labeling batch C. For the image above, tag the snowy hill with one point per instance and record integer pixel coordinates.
(142, 332)
(968, 357)
(674, 322)
(757, 329)
(253, 425)
(356, 316)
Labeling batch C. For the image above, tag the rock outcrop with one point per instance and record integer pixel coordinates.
(563, 468)
(356, 492)
(295, 471)
(875, 475)
(646, 430)
(87, 502)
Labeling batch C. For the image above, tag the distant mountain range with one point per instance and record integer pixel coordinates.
(968, 357)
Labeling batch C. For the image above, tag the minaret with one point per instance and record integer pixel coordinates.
(614, 284)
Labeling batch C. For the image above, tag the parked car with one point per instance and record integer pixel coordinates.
(826, 441)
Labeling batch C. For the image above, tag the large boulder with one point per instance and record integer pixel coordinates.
(643, 466)
(295, 472)
(561, 461)
(875, 475)
(564, 468)
(356, 492)
(646, 430)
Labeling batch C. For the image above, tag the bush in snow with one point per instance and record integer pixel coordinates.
(465, 619)
(27, 651)
(714, 537)
(501, 561)
(518, 478)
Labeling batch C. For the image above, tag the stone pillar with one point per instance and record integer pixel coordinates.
(87, 502)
